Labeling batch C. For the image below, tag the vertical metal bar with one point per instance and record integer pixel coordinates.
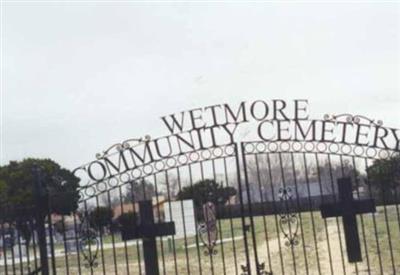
(89, 243)
(210, 254)
(28, 258)
(78, 255)
(42, 244)
(31, 226)
(183, 220)
(322, 202)
(170, 214)
(230, 218)
(289, 223)
(300, 217)
(21, 263)
(50, 227)
(374, 221)
(361, 216)
(239, 180)
(4, 248)
(258, 172)
(219, 224)
(388, 228)
(396, 198)
(311, 212)
(12, 253)
(135, 217)
(250, 208)
(275, 211)
(125, 245)
(101, 243)
(159, 215)
(10, 229)
(65, 244)
(40, 221)
(197, 237)
(336, 218)
(112, 236)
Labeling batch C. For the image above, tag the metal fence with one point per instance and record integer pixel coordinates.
(279, 207)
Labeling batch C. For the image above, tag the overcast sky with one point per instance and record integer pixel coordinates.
(78, 78)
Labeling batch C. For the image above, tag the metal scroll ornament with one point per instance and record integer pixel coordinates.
(356, 119)
(288, 223)
(126, 144)
(88, 243)
(208, 230)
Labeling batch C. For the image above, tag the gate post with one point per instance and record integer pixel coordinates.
(242, 210)
(41, 202)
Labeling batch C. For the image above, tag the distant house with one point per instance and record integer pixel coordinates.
(65, 228)
(311, 189)
(158, 208)
(300, 190)
(67, 219)
(315, 189)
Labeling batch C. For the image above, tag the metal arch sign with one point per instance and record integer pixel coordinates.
(278, 120)
(217, 125)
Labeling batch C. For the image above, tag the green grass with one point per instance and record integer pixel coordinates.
(311, 255)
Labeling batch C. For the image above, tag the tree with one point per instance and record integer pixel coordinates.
(384, 176)
(264, 173)
(128, 218)
(206, 190)
(24, 228)
(101, 217)
(59, 226)
(138, 191)
(127, 223)
(329, 172)
(18, 183)
(17, 192)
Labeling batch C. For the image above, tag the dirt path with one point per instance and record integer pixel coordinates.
(330, 263)
(338, 254)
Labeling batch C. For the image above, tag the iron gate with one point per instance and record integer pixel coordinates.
(282, 206)
(289, 182)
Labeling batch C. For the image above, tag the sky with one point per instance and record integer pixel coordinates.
(79, 77)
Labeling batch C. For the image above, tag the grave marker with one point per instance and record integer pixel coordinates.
(183, 217)
(348, 208)
(147, 230)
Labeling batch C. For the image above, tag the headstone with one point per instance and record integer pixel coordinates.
(183, 217)
(19, 250)
(8, 239)
(48, 245)
(71, 240)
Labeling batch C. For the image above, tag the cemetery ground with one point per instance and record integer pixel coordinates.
(319, 250)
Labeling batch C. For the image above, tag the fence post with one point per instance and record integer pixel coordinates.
(41, 204)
